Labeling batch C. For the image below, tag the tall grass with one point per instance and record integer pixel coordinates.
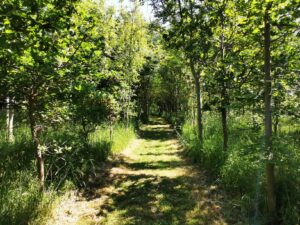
(240, 170)
(121, 136)
(68, 163)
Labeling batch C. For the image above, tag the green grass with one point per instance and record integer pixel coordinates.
(121, 136)
(154, 185)
(240, 170)
(68, 163)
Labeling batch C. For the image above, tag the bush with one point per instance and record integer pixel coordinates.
(210, 154)
(69, 161)
(240, 170)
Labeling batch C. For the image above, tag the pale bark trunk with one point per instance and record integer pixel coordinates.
(225, 128)
(253, 117)
(276, 124)
(270, 173)
(127, 118)
(196, 76)
(224, 96)
(10, 119)
(35, 133)
(277, 115)
(127, 112)
(224, 113)
(110, 131)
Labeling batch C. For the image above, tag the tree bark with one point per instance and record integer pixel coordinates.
(224, 104)
(127, 111)
(10, 119)
(110, 131)
(35, 134)
(276, 123)
(224, 127)
(224, 96)
(277, 115)
(270, 168)
(196, 76)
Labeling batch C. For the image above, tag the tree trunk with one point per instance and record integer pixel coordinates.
(35, 133)
(253, 117)
(270, 174)
(224, 96)
(147, 109)
(10, 119)
(127, 118)
(277, 115)
(224, 103)
(196, 76)
(224, 127)
(127, 111)
(276, 123)
(110, 130)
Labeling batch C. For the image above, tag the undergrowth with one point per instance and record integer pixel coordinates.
(68, 163)
(240, 169)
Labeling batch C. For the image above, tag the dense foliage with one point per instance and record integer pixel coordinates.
(76, 75)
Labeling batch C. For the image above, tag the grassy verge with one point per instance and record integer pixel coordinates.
(68, 162)
(240, 170)
(121, 136)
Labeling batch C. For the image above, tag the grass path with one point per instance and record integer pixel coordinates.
(149, 184)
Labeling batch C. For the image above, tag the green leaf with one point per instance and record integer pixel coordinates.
(78, 88)
(6, 21)
(8, 31)
(256, 31)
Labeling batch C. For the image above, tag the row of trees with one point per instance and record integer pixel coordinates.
(78, 62)
(69, 62)
(241, 54)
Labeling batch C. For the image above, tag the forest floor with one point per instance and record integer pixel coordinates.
(149, 183)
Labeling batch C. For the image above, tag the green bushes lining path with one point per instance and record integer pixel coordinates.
(240, 169)
(68, 163)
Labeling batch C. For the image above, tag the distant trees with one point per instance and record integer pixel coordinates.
(81, 63)
(190, 30)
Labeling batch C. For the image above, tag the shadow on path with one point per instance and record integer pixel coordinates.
(153, 185)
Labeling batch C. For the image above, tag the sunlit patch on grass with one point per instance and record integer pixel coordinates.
(152, 185)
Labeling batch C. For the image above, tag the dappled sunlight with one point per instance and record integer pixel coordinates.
(149, 183)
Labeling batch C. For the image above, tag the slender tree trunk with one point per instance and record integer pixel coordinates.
(193, 111)
(146, 106)
(253, 117)
(35, 133)
(127, 118)
(224, 97)
(270, 173)
(276, 123)
(277, 115)
(10, 119)
(110, 130)
(196, 76)
(224, 113)
(147, 109)
(224, 127)
(127, 111)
